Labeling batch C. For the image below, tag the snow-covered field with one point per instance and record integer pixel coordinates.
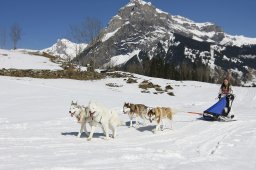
(16, 59)
(36, 131)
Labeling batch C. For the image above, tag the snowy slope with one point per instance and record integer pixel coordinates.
(36, 131)
(65, 49)
(120, 59)
(10, 59)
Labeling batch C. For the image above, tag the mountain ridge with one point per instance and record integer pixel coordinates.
(140, 27)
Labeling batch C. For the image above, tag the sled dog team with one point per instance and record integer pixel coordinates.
(99, 116)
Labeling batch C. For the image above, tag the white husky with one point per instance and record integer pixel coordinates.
(82, 115)
(107, 118)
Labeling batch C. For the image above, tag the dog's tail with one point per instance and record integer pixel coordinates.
(174, 110)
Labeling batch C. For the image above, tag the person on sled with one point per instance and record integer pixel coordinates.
(226, 91)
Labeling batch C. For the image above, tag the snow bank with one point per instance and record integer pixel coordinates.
(10, 59)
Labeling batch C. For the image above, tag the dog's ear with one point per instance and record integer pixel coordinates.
(150, 112)
(149, 108)
(73, 103)
(153, 111)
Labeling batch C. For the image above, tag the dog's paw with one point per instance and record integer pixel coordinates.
(106, 138)
(89, 139)
(162, 128)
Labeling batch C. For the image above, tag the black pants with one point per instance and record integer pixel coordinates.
(229, 100)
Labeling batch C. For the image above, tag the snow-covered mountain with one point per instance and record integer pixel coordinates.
(139, 27)
(65, 49)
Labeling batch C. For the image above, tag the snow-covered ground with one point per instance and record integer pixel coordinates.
(36, 131)
(18, 59)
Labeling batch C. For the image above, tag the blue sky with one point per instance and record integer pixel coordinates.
(45, 21)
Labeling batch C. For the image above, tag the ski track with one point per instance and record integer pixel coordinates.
(36, 131)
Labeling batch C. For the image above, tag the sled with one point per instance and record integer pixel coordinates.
(219, 111)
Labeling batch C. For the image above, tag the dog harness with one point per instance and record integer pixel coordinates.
(91, 115)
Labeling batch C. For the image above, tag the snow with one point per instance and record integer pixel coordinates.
(12, 59)
(190, 27)
(109, 35)
(198, 30)
(195, 29)
(218, 48)
(237, 40)
(121, 59)
(225, 58)
(141, 2)
(247, 56)
(212, 58)
(197, 38)
(202, 33)
(252, 82)
(129, 4)
(117, 17)
(160, 11)
(132, 3)
(235, 60)
(191, 54)
(239, 73)
(196, 26)
(26, 50)
(127, 22)
(204, 24)
(65, 49)
(36, 131)
(181, 19)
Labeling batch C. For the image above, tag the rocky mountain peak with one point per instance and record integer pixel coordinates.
(140, 26)
(65, 49)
